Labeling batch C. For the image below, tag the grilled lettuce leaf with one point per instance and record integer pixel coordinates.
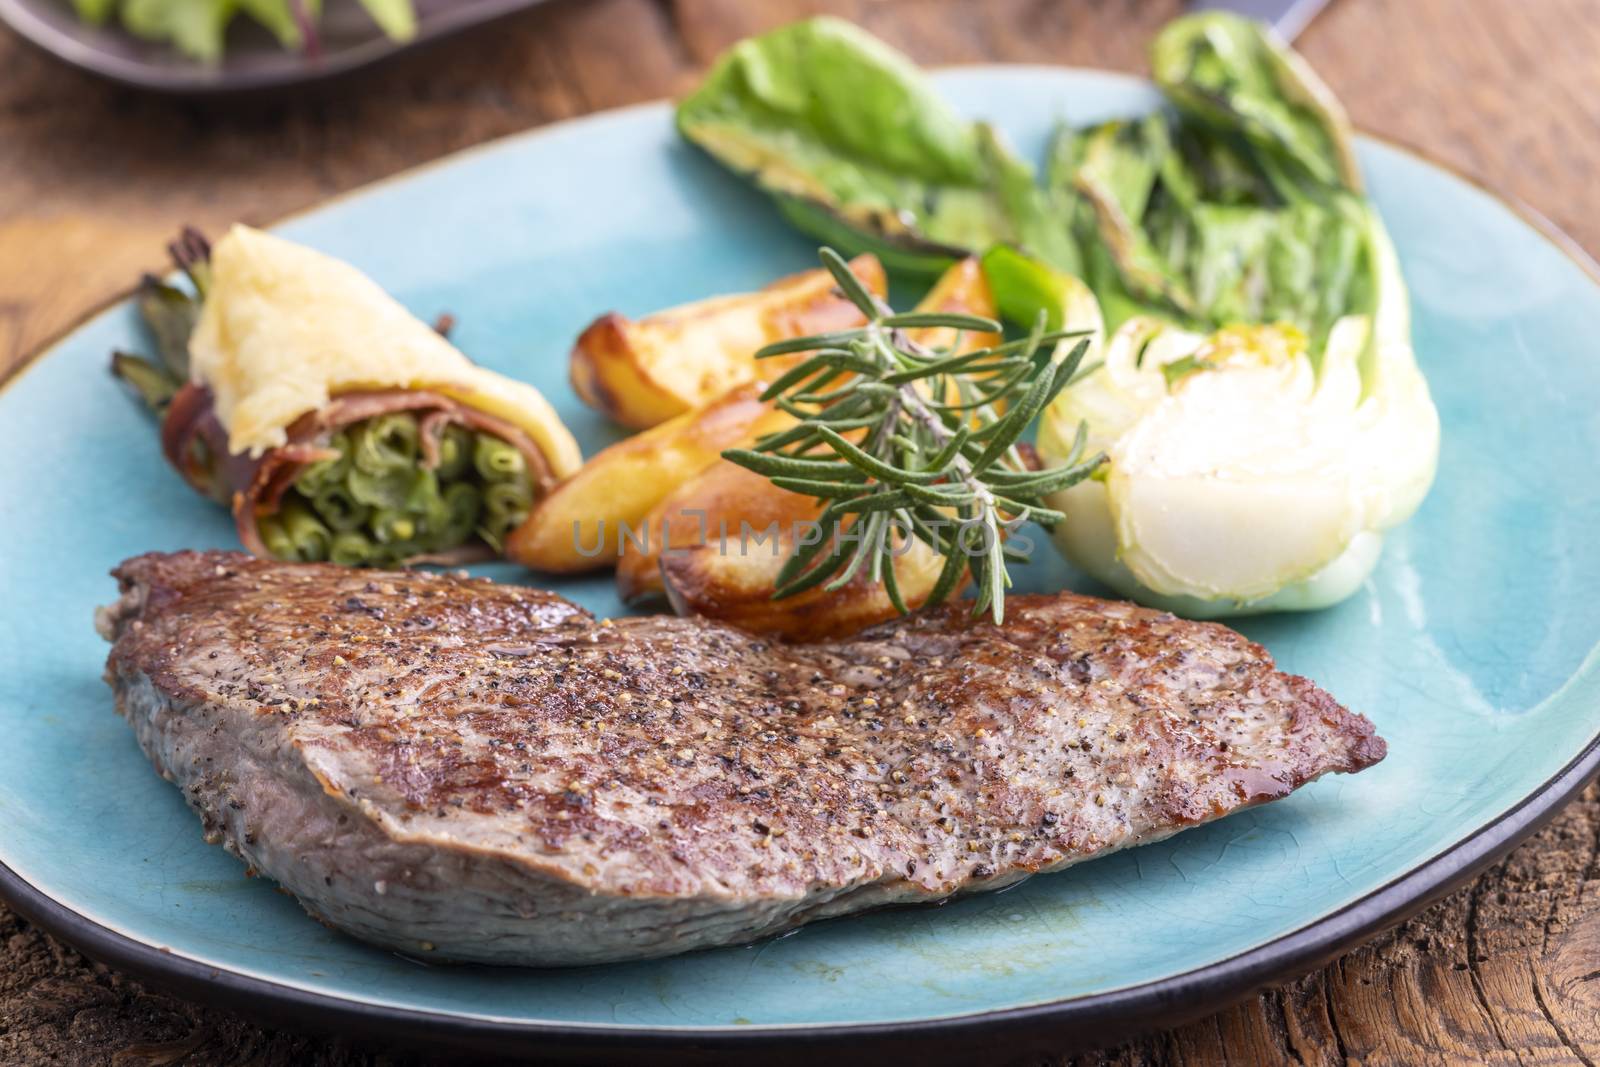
(859, 150)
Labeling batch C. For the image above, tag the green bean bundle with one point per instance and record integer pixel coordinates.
(327, 472)
(322, 443)
(377, 502)
(385, 443)
(455, 452)
(340, 509)
(351, 549)
(309, 538)
(507, 491)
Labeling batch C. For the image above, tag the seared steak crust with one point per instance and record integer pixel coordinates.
(489, 773)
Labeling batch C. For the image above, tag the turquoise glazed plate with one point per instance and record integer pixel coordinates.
(1472, 647)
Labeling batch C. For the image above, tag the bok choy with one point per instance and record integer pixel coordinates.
(1260, 404)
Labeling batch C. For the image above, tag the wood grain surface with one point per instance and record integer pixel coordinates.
(93, 181)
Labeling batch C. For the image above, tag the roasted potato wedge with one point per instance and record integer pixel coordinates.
(963, 289)
(734, 583)
(638, 568)
(643, 373)
(619, 486)
(723, 570)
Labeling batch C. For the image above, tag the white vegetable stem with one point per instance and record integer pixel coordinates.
(1253, 483)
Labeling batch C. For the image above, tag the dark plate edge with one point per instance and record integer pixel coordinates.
(1054, 1026)
(198, 80)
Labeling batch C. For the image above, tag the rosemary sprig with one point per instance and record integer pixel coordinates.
(902, 440)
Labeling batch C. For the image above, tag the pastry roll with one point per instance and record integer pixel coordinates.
(332, 422)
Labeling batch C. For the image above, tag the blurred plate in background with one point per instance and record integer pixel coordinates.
(254, 61)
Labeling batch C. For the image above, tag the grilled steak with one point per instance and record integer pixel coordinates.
(483, 772)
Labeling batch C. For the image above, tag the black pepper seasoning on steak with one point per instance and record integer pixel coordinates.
(490, 770)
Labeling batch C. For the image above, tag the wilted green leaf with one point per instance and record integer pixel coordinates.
(860, 150)
(1243, 207)
(1235, 75)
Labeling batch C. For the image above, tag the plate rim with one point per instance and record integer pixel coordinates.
(1094, 1018)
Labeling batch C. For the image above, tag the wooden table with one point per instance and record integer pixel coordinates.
(94, 180)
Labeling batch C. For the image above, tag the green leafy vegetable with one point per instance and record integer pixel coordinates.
(1025, 287)
(309, 537)
(1239, 215)
(93, 12)
(1235, 76)
(397, 18)
(861, 152)
(193, 27)
(1240, 204)
(1242, 207)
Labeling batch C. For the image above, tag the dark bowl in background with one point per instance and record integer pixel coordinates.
(254, 61)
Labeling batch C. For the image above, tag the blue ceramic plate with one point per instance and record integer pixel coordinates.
(1472, 647)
